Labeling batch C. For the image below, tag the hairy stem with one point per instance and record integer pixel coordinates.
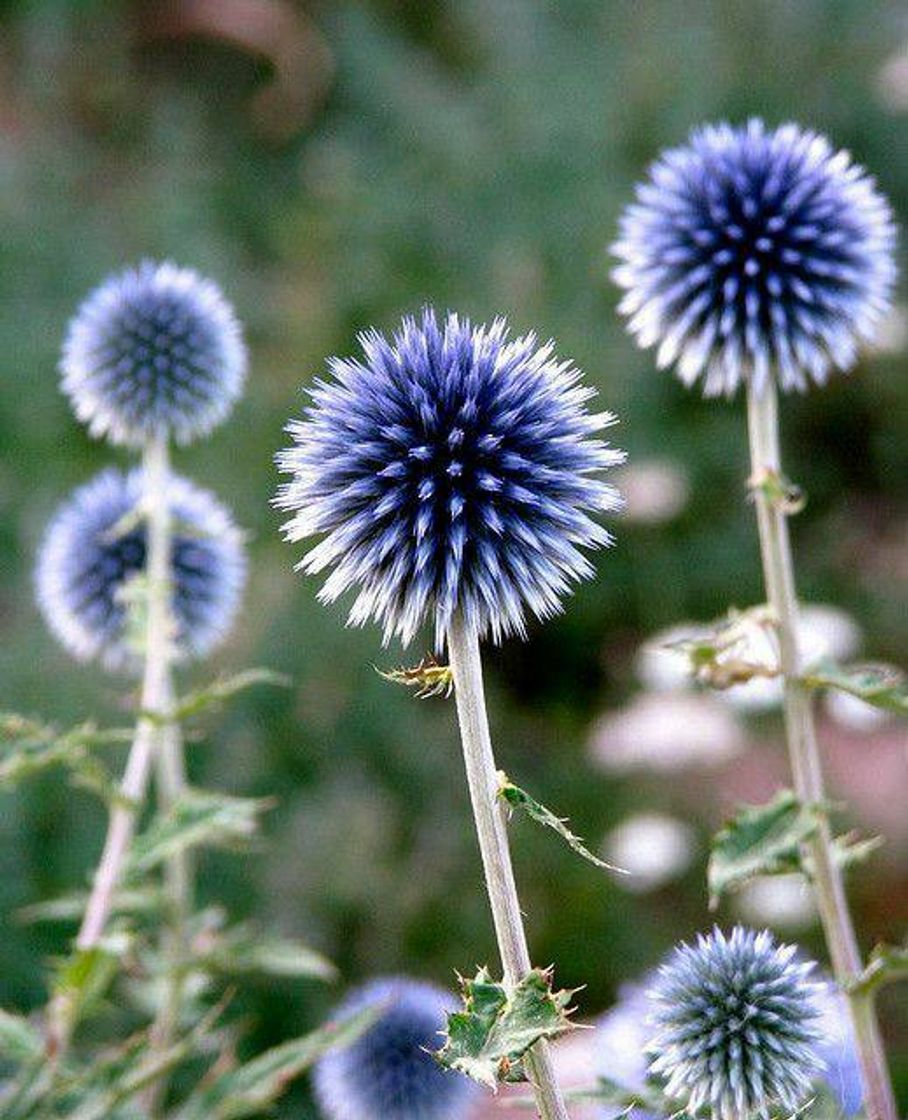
(155, 700)
(488, 812)
(778, 571)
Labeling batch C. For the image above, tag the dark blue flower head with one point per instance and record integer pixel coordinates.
(453, 468)
(154, 351)
(735, 1028)
(752, 254)
(388, 1072)
(95, 545)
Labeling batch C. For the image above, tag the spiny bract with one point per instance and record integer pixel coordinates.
(451, 469)
(753, 253)
(154, 351)
(735, 1025)
(95, 545)
(388, 1072)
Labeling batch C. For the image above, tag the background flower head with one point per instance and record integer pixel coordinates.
(735, 1026)
(388, 1072)
(752, 253)
(453, 467)
(156, 350)
(94, 546)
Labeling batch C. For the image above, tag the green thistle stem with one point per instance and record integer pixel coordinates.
(804, 755)
(489, 815)
(156, 698)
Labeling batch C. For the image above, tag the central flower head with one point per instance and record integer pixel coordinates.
(452, 468)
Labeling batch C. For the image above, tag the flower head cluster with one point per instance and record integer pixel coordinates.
(754, 253)
(735, 1026)
(388, 1071)
(155, 351)
(96, 544)
(451, 469)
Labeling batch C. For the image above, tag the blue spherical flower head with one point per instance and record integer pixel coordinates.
(754, 253)
(735, 1026)
(387, 1072)
(96, 544)
(452, 468)
(155, 351)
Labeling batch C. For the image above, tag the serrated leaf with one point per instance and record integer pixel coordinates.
(19, 1041)
(428, 678)
(250, 1088)
(759, 840)
(488, 1039)
(883, 686)
(224, 689)
(518, 798)
(198, 818)
(888, 964)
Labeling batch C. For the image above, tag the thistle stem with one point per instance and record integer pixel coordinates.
(829, 890)
(155, 699)
(488, 812)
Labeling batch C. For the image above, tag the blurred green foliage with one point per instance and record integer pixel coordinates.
(363, 159)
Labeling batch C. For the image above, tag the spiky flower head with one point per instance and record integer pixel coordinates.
(753, 253)
(388, 1071)
(95, 547)
(735, 1025)
(153, 351)
(451, 468)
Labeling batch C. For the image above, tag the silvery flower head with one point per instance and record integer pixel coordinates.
(95, 545)
(154, 351)
(735, 1028)
(753, 253)
(451, 468)
(388, 1071)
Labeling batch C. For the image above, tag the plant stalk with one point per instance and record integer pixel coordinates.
(156, 698)
(804, 755)
(489, 815)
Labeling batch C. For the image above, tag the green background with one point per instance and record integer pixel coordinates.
(333, 166)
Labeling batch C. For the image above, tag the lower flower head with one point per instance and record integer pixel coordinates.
(753, 253)
(94, 548)
(735, 1028)
(452, 468)
(154, 351)
(387, 1072)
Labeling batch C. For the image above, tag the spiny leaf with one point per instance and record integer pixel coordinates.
(250, 1088)
(225, 688)
(883, 686)
(887, 965)
(733, 650)
(19, 1041)
(488, 1039)
(428, 678)
(198, 818)
(518, 798)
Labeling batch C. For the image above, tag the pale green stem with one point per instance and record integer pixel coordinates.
(155, 699)
(489, 814)
(804, 755)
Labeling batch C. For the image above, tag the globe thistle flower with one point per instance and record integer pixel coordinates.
(388, 1071)
(94, 546)
(735, 1028)
(452, 468)
(754, 253)
(154, 351)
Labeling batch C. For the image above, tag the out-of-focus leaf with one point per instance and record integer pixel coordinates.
(71, 907)
(198, 818)
(612, 1095)
(224, 689)
(883, 686)
(739, 647)
(249, 1089)
(82, 979)
(518, 798)
(19, 1041)
(244, 949)
(887, 965)
(496, 1028)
